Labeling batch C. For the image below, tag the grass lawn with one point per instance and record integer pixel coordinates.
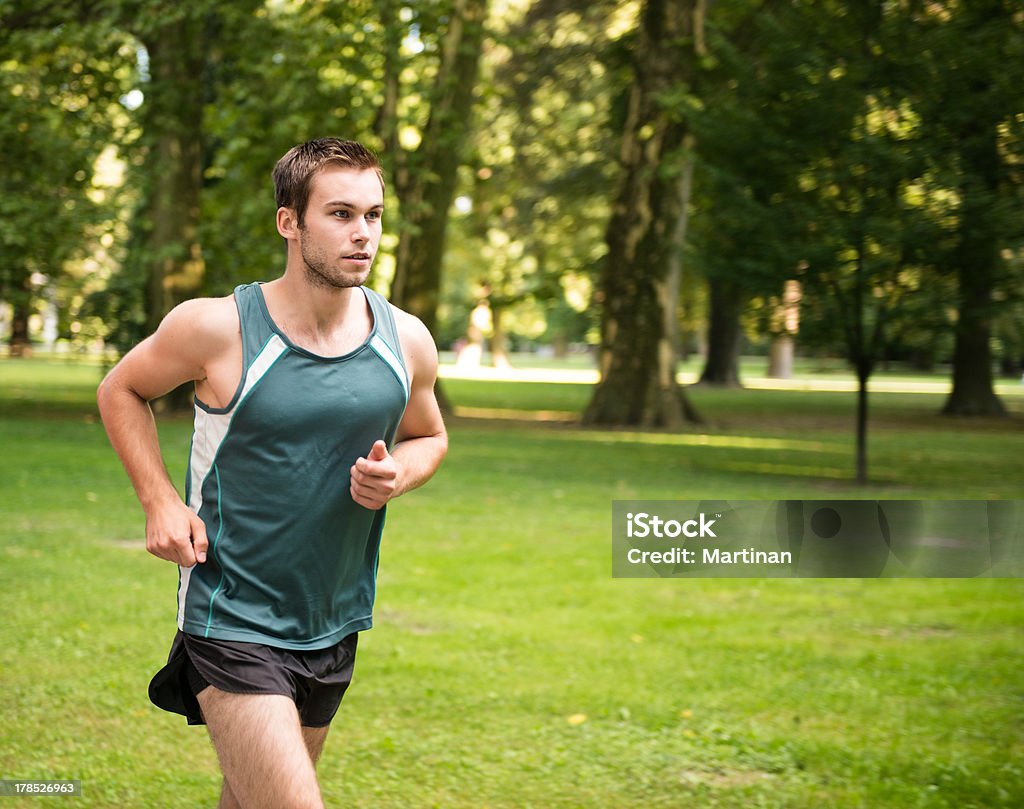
(507, 668)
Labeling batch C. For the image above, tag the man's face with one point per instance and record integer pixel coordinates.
(341, 232)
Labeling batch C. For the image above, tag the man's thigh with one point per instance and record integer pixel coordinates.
(314, 739)
(263, 749)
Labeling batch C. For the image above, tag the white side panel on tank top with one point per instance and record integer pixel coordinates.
(210, 432)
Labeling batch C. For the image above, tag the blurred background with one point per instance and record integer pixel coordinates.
(637, 183)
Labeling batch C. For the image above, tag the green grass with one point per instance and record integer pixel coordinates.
(758, 443)
(507, 668)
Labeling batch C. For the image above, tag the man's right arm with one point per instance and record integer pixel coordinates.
(178, 352)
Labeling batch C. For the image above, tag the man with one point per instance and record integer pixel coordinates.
(314, 407)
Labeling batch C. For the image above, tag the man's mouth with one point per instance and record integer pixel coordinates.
(358, 256)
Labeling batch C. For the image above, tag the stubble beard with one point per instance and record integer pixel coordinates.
(319, 272)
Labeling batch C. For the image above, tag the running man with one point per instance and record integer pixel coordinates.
(314, 407)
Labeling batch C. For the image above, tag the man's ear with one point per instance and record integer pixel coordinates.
(287, 223)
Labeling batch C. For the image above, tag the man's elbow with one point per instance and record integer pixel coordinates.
(111, 393)
(442, 445)
(103, 393)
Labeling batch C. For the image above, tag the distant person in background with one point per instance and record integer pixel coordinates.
(314, 408)
(471, 352)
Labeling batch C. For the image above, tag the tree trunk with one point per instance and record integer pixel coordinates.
(427, 183)
(19, 343)
(780, 357)
(425, 179)
(19, 296)
(173, 126)
(386, 123)
(674, 270)
(863, 373)
(638, 355)
(977, 258)
(785, 324)
(725, 302)
(863, 345)
(174, 164)
(499, 340)
(973, 391)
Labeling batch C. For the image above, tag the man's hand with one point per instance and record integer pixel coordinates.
(174, 532)
(374, 478)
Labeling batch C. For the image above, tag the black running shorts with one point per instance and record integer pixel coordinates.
(315, 680)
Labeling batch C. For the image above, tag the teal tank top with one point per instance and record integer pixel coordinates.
(292, 560)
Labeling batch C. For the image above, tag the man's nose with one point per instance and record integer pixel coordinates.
(361, 231)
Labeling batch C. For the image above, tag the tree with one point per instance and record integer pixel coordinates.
(226, 92)
(172, 124)
(534, 190)
(425, 175)
(814, 165)
(164, 261)
(638, 358)
(60, 86)
(970, 101)
(727, 299)
(759, 118)
(860, 193)
(279, 76)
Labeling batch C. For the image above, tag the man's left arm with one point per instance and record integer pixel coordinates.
(421, 441)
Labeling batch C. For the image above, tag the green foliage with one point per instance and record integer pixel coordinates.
(542, 169)
(278, 76)
(60, 89)
(831, 143)
(751, 137)
(819, 126)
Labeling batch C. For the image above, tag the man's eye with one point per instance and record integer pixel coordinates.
(373, 215)
(341, 214)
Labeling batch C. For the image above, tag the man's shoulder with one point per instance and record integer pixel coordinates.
(409, 326)
(204, 318)
(417, 342)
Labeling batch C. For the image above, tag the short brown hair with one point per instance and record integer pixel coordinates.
(294, 173)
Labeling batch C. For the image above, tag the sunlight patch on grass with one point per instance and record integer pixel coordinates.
(695, 440)
(792, 470)
(567, 416)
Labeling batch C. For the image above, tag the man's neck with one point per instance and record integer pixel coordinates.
(325, 320)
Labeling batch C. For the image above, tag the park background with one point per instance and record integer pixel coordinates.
(669, 250)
